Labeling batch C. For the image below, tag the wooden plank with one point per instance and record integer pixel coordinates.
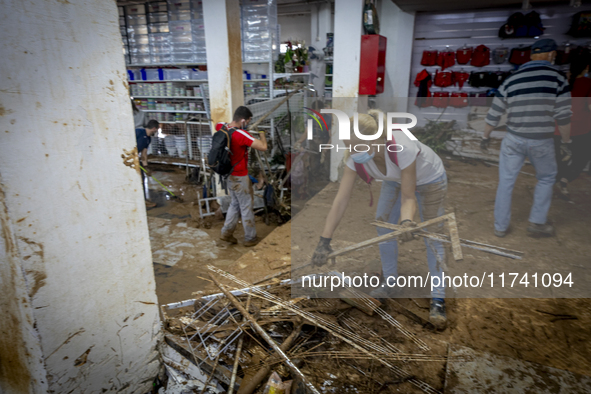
(452, 227)
(386, 237)
(437, 237)
(513, 254)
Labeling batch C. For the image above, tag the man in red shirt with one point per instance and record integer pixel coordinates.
(239, 183)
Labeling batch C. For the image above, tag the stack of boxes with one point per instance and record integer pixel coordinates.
(198, 31)
(185, 21)
(259, 30)
(163, 32)
(137, 34)
(123, 29)
(159, 36)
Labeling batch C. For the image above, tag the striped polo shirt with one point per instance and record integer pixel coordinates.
(536, 98)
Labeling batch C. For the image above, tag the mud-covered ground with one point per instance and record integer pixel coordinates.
(178, 236)
(550, 331)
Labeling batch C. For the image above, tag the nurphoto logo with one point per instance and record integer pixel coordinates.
(345, 129)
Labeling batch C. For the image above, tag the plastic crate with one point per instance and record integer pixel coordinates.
(136, 9)
(161, 58)
(142, 39)
(139, 49)
(137, 30)
(158, 28)
(140, 59)
(160, 49)
(159, 38)
(179, 5)
(179, 16)
(158, 17)
(159, 6)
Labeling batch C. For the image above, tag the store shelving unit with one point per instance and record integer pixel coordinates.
(328, 87)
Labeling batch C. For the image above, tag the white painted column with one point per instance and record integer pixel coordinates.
(348, 29)
(76, 275)
(399, 30)
(321, 23)
(224, 57)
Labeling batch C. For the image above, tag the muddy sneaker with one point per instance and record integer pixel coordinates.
(252, 242)
(229, 238)
(563, 190)
(437, 315)
(500, 234)
(544, 230)
(383, 293)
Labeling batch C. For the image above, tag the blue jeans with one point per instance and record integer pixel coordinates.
(431, 200)
(514, 150)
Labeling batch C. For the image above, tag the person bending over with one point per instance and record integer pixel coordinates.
(413, 177)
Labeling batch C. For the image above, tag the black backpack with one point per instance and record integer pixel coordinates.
(534, 24)
(519, 25)
(220, 154)
(581, 24)
(514, 23)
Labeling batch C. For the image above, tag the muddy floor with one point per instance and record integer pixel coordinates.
(181, 243)
(551, 331)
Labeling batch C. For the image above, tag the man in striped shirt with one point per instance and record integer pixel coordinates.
(536, 98)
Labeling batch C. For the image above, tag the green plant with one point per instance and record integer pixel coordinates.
(435, 134)
(280, 64)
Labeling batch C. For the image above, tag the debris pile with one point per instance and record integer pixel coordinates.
(257, 339)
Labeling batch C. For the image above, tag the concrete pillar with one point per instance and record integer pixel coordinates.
(399, 30)
(348, 29)
(224, 57)
(79, 308)
(321, 23)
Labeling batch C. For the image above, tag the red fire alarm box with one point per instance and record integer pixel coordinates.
(372, 64)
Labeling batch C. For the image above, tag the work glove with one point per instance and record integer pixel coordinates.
(565, 152)
(322, 251)
(405, 224)
(484, 144)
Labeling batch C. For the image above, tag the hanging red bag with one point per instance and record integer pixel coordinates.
(443, 79)
(440, 99)
(458, 99)
(520, 56)
(429, 58)
(463, 55)
(446, 59)
(480, 56)
(460, 78)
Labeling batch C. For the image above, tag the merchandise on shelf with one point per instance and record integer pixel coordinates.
(463, 55)
(500, 55)
(446, 59)
(480, 56)
(520, 55)
(259, 30)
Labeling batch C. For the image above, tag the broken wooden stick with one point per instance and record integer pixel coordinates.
(249, 386)
(513, 254)
(238, 352)
(292, 367)
(452, 227)
(389, 236)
